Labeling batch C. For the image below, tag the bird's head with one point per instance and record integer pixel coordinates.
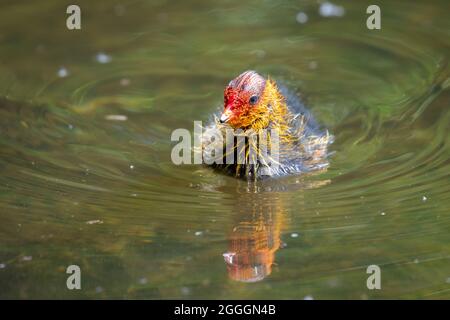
(246, 103)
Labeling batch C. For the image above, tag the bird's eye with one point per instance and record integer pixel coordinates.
(253, 99)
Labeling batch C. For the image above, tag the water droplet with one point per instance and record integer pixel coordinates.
(103, 58)
(328, 9)
(301, 17)
(62, 72)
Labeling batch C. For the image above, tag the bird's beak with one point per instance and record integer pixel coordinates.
(226, 115)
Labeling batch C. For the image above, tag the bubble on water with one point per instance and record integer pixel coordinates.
(98, 289)
(259, 53)
(125, 82)
(448, 280)
(27, 258)
(312, 65)
(94, 222)
(143, 280)
(2, 265)
(301, 17)
(131, 166)
(103, 58)
(70, 126)
(116, 117)
(424, 198)
(383, 213)
(198, 233)
(62, 72)
(308, 297)
(294, 235)
(416, 261)
(328, 9)
(185, 291)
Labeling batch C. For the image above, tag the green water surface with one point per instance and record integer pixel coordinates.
(79, 185)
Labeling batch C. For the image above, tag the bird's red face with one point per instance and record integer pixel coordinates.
(242, 99)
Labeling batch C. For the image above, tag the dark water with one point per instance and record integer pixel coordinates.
(78, 186)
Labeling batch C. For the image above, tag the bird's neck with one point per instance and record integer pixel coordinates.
(278, 113)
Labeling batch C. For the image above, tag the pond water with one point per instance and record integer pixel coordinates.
(86, 176)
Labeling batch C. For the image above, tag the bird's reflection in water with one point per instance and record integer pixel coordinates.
(256, 235)
(254, 238)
